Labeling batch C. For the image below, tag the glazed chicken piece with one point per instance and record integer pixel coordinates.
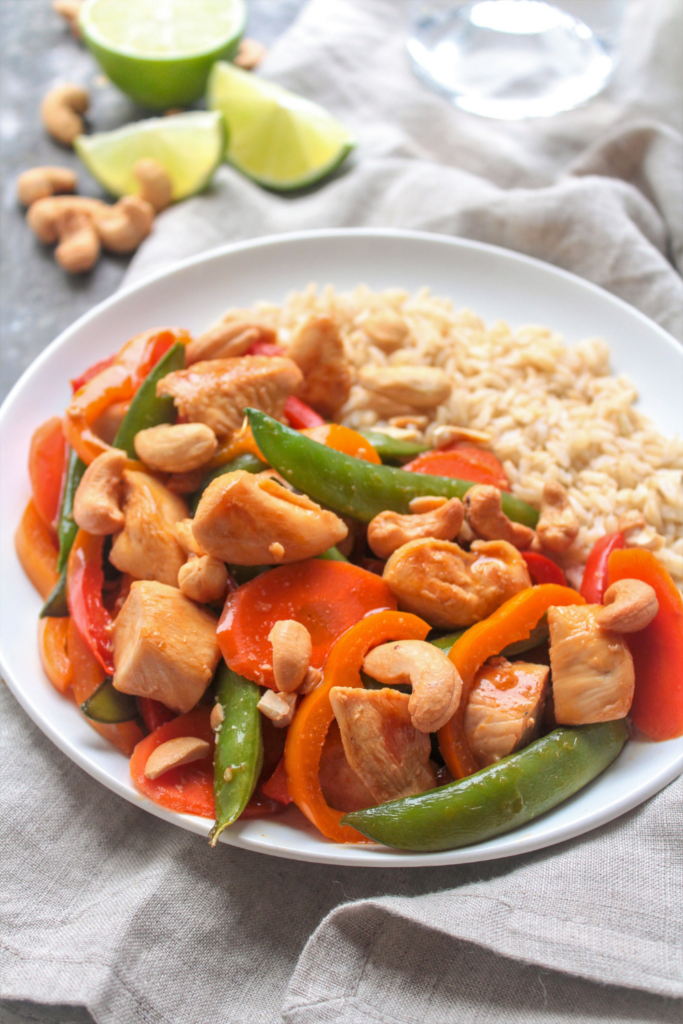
(341, 787)
(147, 547)
(592, 668)
(165, 647)
(505, 708)
(450, 587)
(217, 392)
(381, 744)
(318, 351)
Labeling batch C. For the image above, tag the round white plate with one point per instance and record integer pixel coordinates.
(495, 283)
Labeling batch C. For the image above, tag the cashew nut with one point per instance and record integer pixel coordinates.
(185, 537)
(558, 525)
(61, 110)
(628, 606)
(45, 215)
(292, 649)
(388, 531)
(39, 182)
(79, 246)
(388, 331)
(69, 10)
(203, 579)
(279, 707)
(250, 54)
(447, 434)
(174, 753)
(123, 227)
(484, 513)
(217, 716)
(176, 448)
(155, 183)
(423, 387)
(96, 503)
(436, 684)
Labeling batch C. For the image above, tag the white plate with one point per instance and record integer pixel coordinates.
(494, 282)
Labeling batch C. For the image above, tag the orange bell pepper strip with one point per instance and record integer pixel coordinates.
(344, 439)
(36, 548)
(512, 622)
(240, 442)
(657, 650)
(306, 736)
(52, 640)
(116, 383)
(46, 468)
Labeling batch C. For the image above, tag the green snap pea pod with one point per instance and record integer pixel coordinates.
(109, 705)
(351, 486)
(392, 449)
(332, 555)
(239, 748)
(497, 799)
(246, 461)
(147, 409)
(538, 635)
(56, 606)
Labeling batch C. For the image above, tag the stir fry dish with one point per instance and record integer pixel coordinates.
(282, 565)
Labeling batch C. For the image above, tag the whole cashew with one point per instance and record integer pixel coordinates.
(61, 110)
(174, 753)
(203, 579)
(40, 182)
(436, 683)
(44, 216)
(96, 504)
(292, 649)
(222, 342)
(79, 245)
(176, 448)
(558, 525)
(484, 513)
(388, 531)
(123, 226)
(155, 184)
(250, 54)
(628, 606)
(69, 10)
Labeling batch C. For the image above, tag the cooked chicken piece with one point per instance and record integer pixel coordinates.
(450, 587)
(592, 668)
(250, 519)
(341, 787)
(380, 742)
(147, 547)
(505, 708)
(165, 647)
(217, 392)
(318, 351)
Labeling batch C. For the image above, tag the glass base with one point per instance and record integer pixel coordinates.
(507, 59)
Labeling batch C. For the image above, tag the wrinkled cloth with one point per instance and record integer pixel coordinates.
(108, 908)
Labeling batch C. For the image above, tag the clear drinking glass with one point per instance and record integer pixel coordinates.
(514, 59)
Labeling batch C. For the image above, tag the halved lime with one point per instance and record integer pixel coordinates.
(279, 139)
(189, 147)
(160, 52)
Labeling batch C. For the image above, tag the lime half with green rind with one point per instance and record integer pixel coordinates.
(189, 147)
(275, 137)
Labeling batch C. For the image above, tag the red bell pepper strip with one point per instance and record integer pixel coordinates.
(84, 579)
(78, 382)
(594, 583)
(543, 570)
(300, 416)
(46, 467)
(265, 348)
(154, 713)
(276, 786)
(657, 650)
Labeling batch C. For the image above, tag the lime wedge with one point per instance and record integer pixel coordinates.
(189, 147)
(279, 139)
(160, 52)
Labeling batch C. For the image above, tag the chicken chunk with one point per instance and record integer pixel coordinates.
(147, 547)
(217, 392)
(318, 351)
(381, 744)
(592, 668)
(341, 787)
(450, 587)
(505, 708)
(165, 647)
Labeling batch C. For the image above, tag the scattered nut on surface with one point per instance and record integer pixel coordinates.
(45, 216)
(217, 716)
(69, 10)
(628, 606)
(79, 245)
(61, 109)
(176, 448)
(39, 182)
(123, 226)
(250, 54)
(292, 650)
(156, 186)
(174, 753)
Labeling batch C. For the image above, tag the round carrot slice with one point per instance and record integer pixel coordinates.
(189, 788)
(464, 462)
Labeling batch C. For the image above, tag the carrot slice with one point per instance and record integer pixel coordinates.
(327, 597)
(52, 640)
(46, 464)
(189, 788)
(464, 462)
(344, 439)
(36, 547)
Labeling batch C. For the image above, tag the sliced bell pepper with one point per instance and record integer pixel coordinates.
(657, 650)
(46, 464)
(343, 439)
(153, 713)
(543, 569)
(594, 583)
(78, 382)
(52, 639)
(189, 788)
(509, 624)
(464, 462)
(36, 549)
(148, 409)
(84, 579)
(301, 416)
(242, 442)
(276, 786)
(306, 736)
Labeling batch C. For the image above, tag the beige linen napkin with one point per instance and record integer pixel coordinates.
(108, 908)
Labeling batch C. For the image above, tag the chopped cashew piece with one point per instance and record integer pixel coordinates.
(312, 679)
(241, 517)
(147, 547)
(174, 753)
(318, 350)
(558, 525)
(61, 109)
(96, 503)
(388, 331)
(447, 434)
(203, 579)
(125, 224)
(40, 182)
(216, 392)
(450, 587)
(155, 184)
(422, 387)
(278, 707)
(484, 513)
(505, 708)
(45, 216)
(176, 448)
(217, 716)
(432, 675)
(165, 646)
(292, 649)
(628, 606)
(389, 531)
(250, 54)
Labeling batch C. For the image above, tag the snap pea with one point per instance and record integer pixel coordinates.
(391, 449)
(56, 606)
(332, 555)
(239, 747)
(109, 705)
(147, 409)
(497, 799)
(351, 486)
(538, 635)
(246, 461)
